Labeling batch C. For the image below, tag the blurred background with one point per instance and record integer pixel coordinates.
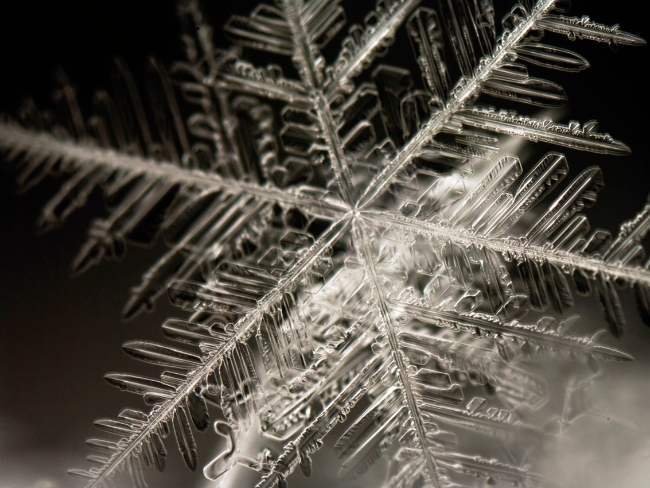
(58, 336)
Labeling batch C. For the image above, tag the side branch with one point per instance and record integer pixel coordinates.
(311, 437)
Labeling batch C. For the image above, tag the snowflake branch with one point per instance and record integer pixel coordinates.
(464, 91)
(17, 139)
(363, 248)
(244, 328)
(562, 259)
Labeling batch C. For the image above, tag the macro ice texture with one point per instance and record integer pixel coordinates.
(349, 231)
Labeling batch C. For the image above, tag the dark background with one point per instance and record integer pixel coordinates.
(58, 336)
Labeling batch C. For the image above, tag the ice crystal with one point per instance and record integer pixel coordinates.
(348, 231)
